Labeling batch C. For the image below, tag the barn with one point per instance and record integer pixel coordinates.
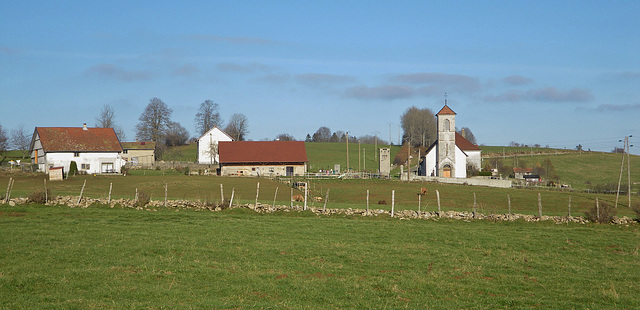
(208, 145)
(95, 150)
(263, 158)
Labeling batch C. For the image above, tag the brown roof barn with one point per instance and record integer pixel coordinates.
(262, 158)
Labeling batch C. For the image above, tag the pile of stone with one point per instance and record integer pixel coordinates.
(72, 201)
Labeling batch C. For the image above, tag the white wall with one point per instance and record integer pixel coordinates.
(205, 154)
(461, 164)
(431, 166)
(95, 161)
(475, 159)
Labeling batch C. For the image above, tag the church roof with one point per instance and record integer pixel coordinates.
(464, 144)
(446, 110)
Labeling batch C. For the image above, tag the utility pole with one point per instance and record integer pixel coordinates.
(625, 149)
(359, 156)
(629, 169)
(347, 135)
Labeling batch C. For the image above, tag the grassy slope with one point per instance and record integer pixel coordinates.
(59, 257)
(324, 155)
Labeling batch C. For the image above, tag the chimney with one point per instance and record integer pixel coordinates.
(463, 133)
(84, 126)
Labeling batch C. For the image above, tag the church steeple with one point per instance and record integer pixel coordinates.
(446, 154)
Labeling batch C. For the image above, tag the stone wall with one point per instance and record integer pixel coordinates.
(72, 201)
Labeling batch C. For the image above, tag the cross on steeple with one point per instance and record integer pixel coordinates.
(445, 98)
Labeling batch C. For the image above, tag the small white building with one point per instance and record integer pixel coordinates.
(450, 155)
(95, 150)
(208, 153)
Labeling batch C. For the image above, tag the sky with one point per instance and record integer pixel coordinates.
(556, 73)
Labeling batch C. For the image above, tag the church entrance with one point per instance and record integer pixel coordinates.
(446, 171)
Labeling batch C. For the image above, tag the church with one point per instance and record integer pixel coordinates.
(452, 153)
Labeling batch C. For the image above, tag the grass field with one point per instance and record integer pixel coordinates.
(342, 193)
(95, 258)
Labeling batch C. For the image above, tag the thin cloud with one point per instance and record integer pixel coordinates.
(7, 50)
(516, 80)
(628, 75)
(618, 107)
(445, 81)
(113, 71)
(242, 68)
(274, 79)
(320, 79)
(385, 92)
(232, 40)
(548, 94)
(185, 70)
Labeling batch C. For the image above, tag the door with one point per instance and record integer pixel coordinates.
(107, 168)
(446, 171)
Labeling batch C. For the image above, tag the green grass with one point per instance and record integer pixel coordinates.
(517, 150)
(342, 193)
(95, 258)
(324, 155)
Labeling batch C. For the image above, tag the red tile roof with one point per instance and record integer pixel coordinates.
(446, 110)
(76, 139)
(262, 152)
(464, 144)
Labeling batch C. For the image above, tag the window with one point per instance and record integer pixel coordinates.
(85, 166)
(271, 169)
(446, 125)
(76, 154)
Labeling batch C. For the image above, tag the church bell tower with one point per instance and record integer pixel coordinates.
(446, 141)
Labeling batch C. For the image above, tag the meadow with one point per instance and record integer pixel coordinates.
(101, 257)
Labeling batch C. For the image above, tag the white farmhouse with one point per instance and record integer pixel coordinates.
(450, 155)
(95, 150)
(208, 145)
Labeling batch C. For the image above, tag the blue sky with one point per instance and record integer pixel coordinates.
(557, 73)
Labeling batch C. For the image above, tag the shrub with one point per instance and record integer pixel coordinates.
(73, 168)
(601, 214)
(143, 199)
(40, 196)
(636, 208)
(186, 170)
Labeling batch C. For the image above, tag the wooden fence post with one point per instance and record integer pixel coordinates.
(419, 202)
(233, 191)
(110, 188)
(82, 190)
(291, 198)
(46, 193)
(257, 192)
(569, 206)
(438, 197)
(539, 205)
(221, 194)
(136, 198)
(306, 185)
(474, 202)
(367, 202)
(6, 196)
(597, 210)
(509, 200)
(166, 186)
(393, 201)
(274, 197)
(324, 209)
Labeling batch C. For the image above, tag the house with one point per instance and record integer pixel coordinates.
(452, 153)
(520, 173)
(263, 158)
(95, 150)
(208, 145)
(141, 154)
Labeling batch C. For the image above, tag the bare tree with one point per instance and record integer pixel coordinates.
(468, 134)
(285, 137)
(3, 140)
(207, 117)
(419, 126)
(21, 140)
(323, 134)
(238, 127)
(176, 134)
(153, 121)
(106, 119)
